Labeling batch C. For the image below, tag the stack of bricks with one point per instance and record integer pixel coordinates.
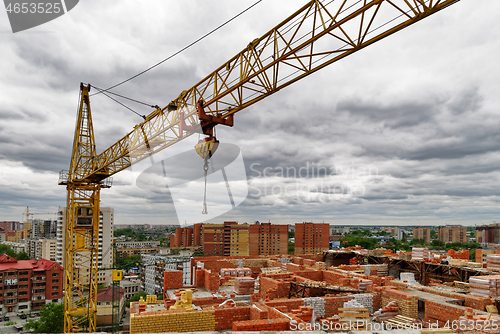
(261, 325)
(172, 279)
(462, 254)
(244, 285)
(407, 303)
(353, 261)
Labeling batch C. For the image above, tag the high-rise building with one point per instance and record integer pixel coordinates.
(105, 252)
(228, 239)
(488, 234)
(311, 238)
(268, 239)
(452, 233)
(422, 233)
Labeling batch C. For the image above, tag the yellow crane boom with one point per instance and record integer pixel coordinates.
(318, 34)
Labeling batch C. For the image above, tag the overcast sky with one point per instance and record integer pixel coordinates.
(404, 132)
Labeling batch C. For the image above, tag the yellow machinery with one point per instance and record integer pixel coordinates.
(318, 34)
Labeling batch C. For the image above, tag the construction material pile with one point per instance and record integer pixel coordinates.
(317, 303)
(364, 283)
(485, 286)
(408, 278)
(389, 311)
(364, 299)
(420, 254)
(493, 261)
(244, 285)
(235, 272)
(379, 270)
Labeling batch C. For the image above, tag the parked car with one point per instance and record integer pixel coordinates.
(23, 316)
(6, 318)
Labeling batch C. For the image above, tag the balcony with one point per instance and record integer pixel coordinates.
(10, 302)
(38, 278)
(38, 292)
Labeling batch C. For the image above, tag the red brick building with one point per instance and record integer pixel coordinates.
(268, 239)
(311, 238)
(27, 285)
(188, 236)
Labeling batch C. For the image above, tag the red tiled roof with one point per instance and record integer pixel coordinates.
(106, 295)
(40, 265)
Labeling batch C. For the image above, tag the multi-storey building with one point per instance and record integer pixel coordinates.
(27, 285)
(131, 287)
(105, 253)
(130, 248)
(452, 233)
(422, 233)
(42, 249)
(228, 239)
(311, 238)
(10, 225)
(154, 265)
(268, 239)
(488, 234)
(188, 236)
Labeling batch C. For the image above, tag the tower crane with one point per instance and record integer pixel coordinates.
(318, 34)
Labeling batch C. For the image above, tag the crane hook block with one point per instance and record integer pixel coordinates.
(207, 147)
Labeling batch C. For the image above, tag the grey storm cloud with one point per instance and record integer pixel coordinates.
(403, 132)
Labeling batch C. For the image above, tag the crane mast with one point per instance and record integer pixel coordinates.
(318, 34)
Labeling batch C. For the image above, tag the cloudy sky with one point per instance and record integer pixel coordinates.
(404, 132)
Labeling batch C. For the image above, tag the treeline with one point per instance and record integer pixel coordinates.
(4, 249)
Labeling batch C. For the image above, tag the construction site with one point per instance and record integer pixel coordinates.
(347, 290)
(352, 289)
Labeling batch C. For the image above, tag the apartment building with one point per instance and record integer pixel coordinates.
(188, 236)
(105, 253)
(452, 233)
(27, 285)
(131, 287)
(268, 239)
(227, 239)
(42, 249)
(311, 238)
(422, 233)
(154, 265)
(488, 234)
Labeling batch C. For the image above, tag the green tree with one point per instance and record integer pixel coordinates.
(22, 256)
(291, 248)
(434, 234)
(291, 234)
(51, 319)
